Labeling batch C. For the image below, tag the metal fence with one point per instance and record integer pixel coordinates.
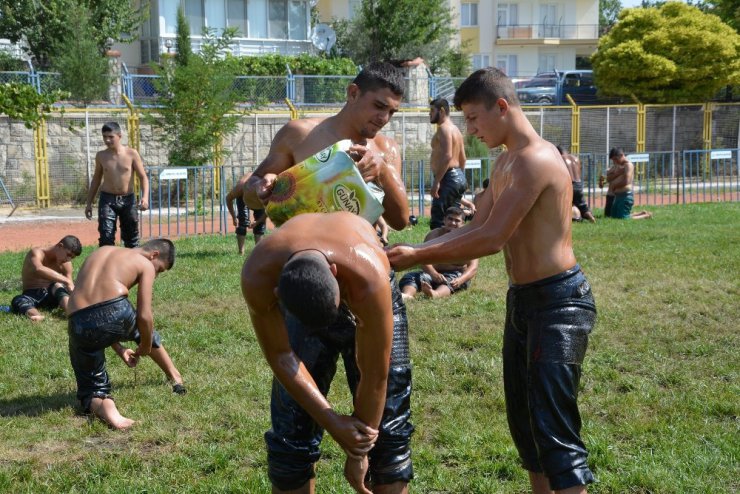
(672, 135)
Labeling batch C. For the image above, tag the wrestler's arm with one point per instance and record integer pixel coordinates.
(94, 186)
(230, 198)
(395, 202)
(354, 436)
(138, 165)
(40, 271)
(374, 338)
(259, 185)
(471, 268)
(144, 316)
(67, 271)
(478, 240)
(428, 268)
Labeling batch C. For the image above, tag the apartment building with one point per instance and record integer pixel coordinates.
(264, 26)
(522, 37)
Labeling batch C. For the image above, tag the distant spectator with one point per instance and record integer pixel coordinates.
(115, 168)
(47, 278)
(620, 177)
(573, 164)
(440, 280)
(240, 217)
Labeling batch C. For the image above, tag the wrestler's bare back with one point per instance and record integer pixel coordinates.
(345, 239)
(107, 273)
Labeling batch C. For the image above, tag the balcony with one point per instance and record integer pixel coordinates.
(546, 34)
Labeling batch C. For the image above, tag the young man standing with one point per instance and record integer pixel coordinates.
(240, 216)
(310, 300)
(372, 99)
(447, 163)
(101, 316)
(550, 311)
(47, 278)
(441, 280)
(573, 164)
(115, 167)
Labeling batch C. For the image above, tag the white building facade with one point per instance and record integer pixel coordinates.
(264, 26)
(522, 37)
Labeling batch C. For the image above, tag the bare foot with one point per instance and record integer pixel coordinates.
(427, 289)
(105, 410)
(36, 317)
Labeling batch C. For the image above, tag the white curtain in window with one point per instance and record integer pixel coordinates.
(257, 18)
(168, 17)
(215, 14)
(194, 13)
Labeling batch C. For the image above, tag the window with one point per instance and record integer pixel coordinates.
(549, 21)
(278, 20)
(480, 61)
(236, 16)
(468, 14)
(215, 15)
(508, 64)
(547, 62)
(508, 14)
(298, 19)
(194, 13)
(168, 17)
(257, 18)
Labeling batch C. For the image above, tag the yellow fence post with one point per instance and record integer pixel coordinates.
(575, 126)
(707, 136)
(293, 111)
(218, 161)
(134, 133)
(41, 159)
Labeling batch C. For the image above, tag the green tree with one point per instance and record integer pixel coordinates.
(396, 30)
(608, 13)
(670, 54)
(196, 102)
(183, 48)
(41, 24)
(21, 101)
(83, 68)
(727, 10)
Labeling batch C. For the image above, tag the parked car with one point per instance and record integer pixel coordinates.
(551, 88)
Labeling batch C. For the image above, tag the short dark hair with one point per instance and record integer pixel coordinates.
(560, 149)
(454, 211)
(486, 182)
(308, 290)
(380, 75)
(486, 85)
(165, 247)
(441, 104)
(72, 244)
(614, 152)
(112, 127)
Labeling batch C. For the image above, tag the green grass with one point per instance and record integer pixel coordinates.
(659, 393)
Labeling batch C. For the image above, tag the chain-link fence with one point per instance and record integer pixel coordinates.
(71, 139)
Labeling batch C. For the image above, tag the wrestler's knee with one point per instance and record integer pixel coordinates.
(290, 464)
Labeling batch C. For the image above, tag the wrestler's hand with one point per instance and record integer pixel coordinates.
(368, 162)
(435, 190)
(455, 284)
(70, 285)
(401, 256)
(88, 212)
(143, 204)
(601, 181)
(263, 187)
(354, 436)
(129, 357)
(142, 352)
(234, 221)
(438, 278)
(355, 472)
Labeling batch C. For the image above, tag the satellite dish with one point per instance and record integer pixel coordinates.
(323, 37)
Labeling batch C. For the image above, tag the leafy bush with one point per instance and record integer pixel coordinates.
(10, 64)
(20, 101)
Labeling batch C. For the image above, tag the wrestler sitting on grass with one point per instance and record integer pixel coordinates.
(47, 278)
